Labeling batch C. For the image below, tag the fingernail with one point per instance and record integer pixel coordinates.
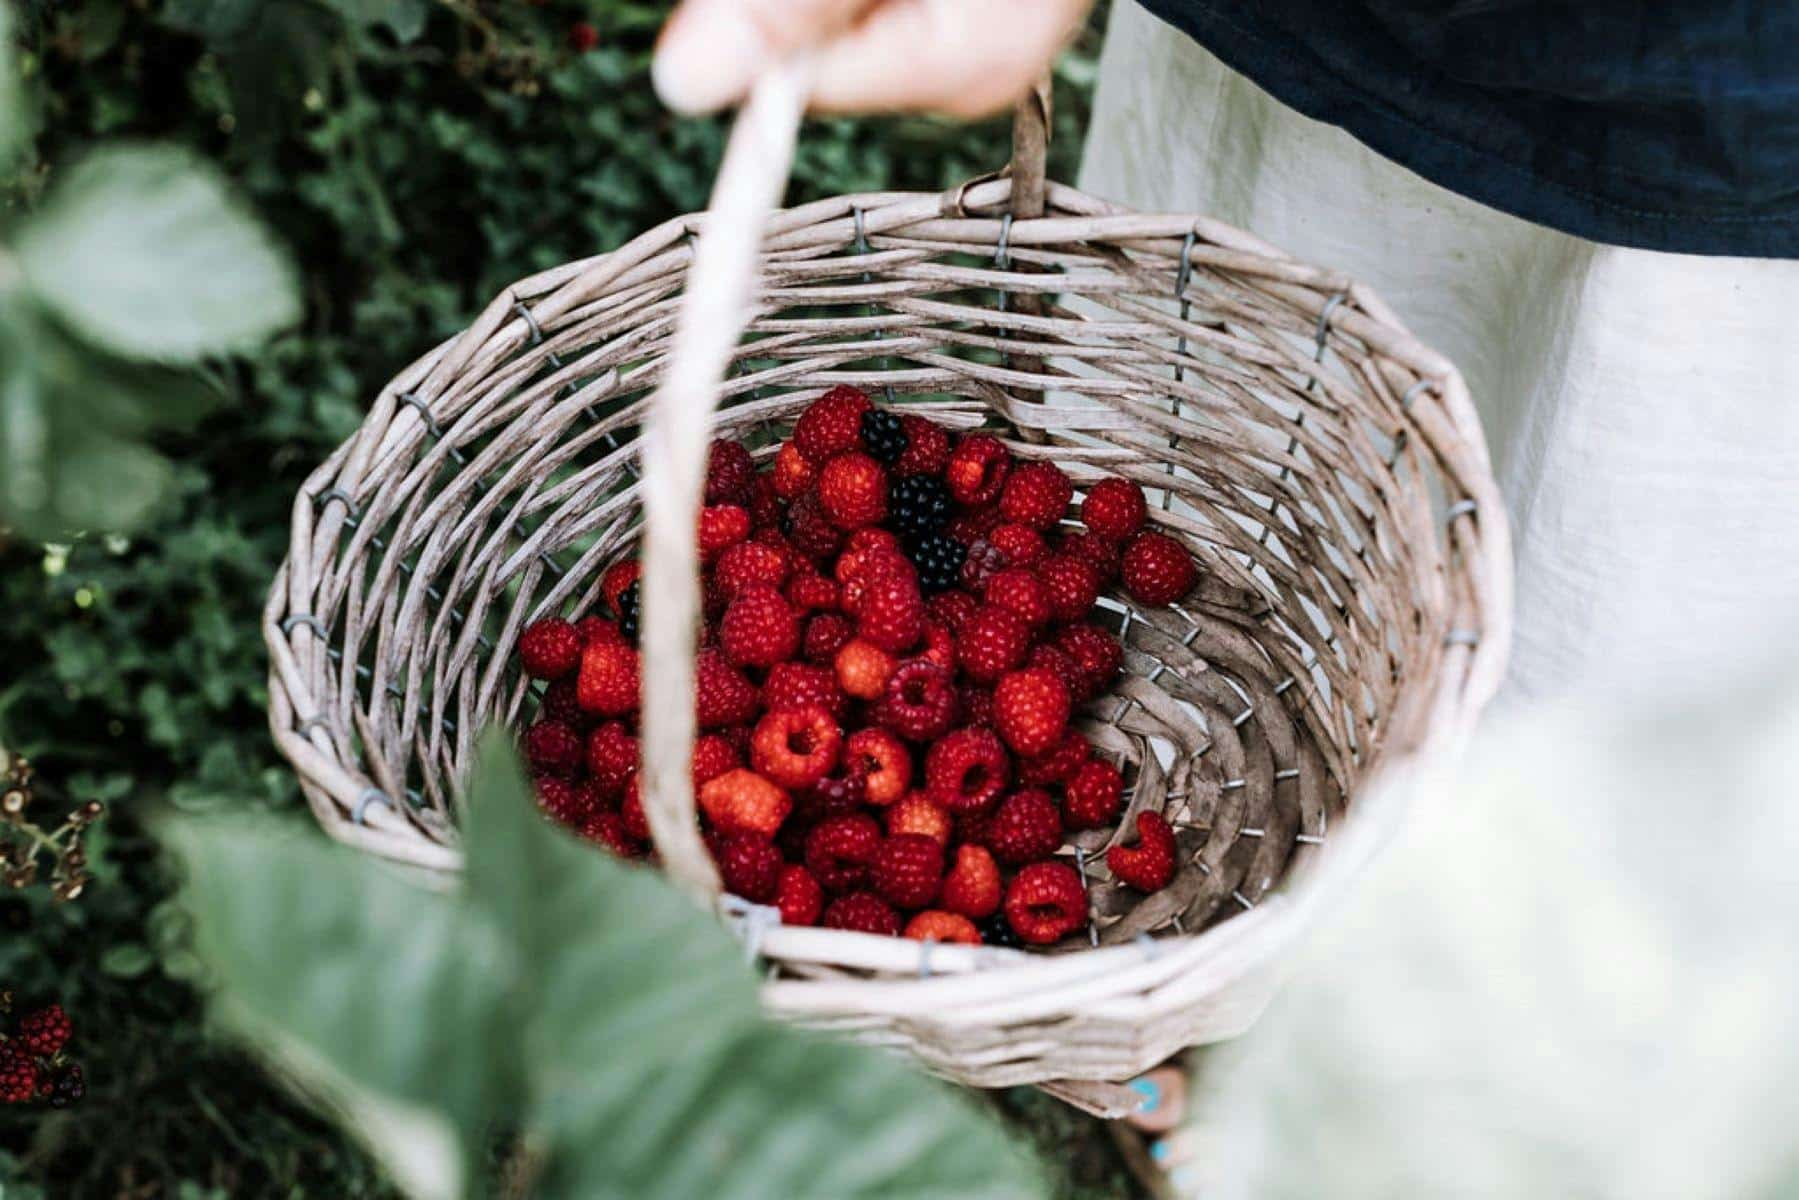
(708, 58)
(1151, 1093)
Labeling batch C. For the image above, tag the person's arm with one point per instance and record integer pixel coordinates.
(966, 58)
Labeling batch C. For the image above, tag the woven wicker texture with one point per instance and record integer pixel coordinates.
(1326, 469)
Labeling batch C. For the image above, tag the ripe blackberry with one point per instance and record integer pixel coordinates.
(70, 1087)
(630, 611)
(918, 505)
(997, 931)
(883, 435)
(938, 558)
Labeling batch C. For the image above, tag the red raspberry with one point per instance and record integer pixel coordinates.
(562, 702)
(766, 509)
(721, 526)
(825, 635)
(1157, 569)
(1048, 658)
(831, 424)
(712, 757)
(552, 748)
(607, 828)
(549, 649)
(631, 817)
(1147, 866)
(796, 685)
(919, 703)
(972, 887)
(597, 629)
(891, 611)
(872, 538)
(730, 473)
(951, 609)
(840, 851)
(619, 576)
(563, 801)
(991, 642)
(583, 37)
(984, 560)
(792, 475)
(746, 563)
(852, 491)
(1036, 494)
(811, 592)
(907, 870)
(611, 757)
(1024, 828)
(881, 761)
(796, 747)
(1022, 545)
(750, 866)
(610, 673)
(741, 801)
(1114, 509)
(1046, 903)
(935, 925)
(1092, 796)
(1096, 552)
(976, 705)
(1021, 591)
(927, 447)
(1060, 764)
(862, 912)
(760, 628)
(863, 669)
(967, 770)
(917, 813)
(800, 898)
(1073, 586)
(810, 531)
(722, 696)
(1030, 710)
(1096, 655)
(20, 1078)
(833, 796)
(977, 470)
(971, 527)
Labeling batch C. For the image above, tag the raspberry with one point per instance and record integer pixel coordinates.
(927, 448)
(609, 678)
(563, 801)
(730, 473)
(45, 1031)
(750, 866)
(630, 611)
(721, 526)
(939, 559)
(972, 887)
(831, 424)
(1022, 592)
(561, 702)
(1058, 765)
(1030, 710)
(810, 531)
(833, 796)
(1147, 866)
(918, 505)
(1157, 569)
(982, 561)
(917, 813)
(552, 748)
(951, 609)
(891, 611)
(746, 563)
(976, 705)
(862, 912)
(741, 801)
(1046, 903)
(712, 757)
(881, 761)
(939, 648)
(19, 1076)
(1114, 509)
(811, 592)
(549, 649)
(611, 757)
(722, 696)
(935, 925)
(919, 703)
(825, 635)
(631, 817)
(796, 685)
(796, 747)
(1096, 552)
(766, 509)
(1096, 655)
(991, 642)
(840, 850)
(1036, 495)
(792, 474)
(977, 470)
(966, 770)
(883, 435)
(907, 870)
(1022, 545)
(852, 491)
(619, 576)
(970, 527)
(583, 37)
(799, 896)
(1092, 796)
(760, 628)
(863, 669)
(860, 562)
(1049, 658)
(606, 828)
(1024, 828)
(1073, 586)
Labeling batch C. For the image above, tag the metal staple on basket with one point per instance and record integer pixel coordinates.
(1343, 629)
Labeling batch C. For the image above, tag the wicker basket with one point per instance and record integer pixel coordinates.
(1326, 469)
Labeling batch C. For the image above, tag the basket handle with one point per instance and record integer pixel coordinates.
(1030, 150)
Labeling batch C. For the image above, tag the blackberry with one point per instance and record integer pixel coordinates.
(917, 505)
(997, 931)
(938, 558)
(630, 611)
(883, 435)
(70, 1087)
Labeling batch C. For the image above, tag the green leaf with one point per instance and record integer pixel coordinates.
(215, 20)
(127, 960)
(15, 125)
(405, 18)
(145, 252)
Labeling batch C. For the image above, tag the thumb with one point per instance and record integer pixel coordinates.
(711, 51)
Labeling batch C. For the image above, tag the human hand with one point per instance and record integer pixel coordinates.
(966, 58)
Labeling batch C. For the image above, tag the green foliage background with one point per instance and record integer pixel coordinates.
(413, 156)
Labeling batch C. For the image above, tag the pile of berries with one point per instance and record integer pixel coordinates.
(33, 1064)
(896, 635)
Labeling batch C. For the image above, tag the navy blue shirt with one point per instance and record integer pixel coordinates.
(1664, 124)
